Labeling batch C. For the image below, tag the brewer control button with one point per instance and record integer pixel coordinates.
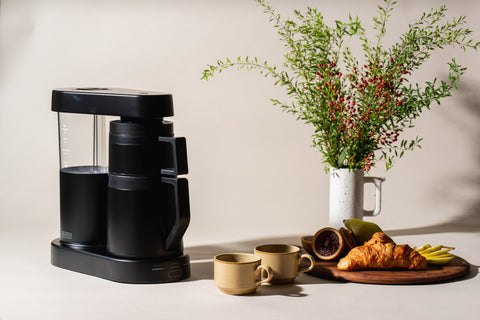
(175, 273)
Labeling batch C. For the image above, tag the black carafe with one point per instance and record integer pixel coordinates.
(123, 210)
(147, 216)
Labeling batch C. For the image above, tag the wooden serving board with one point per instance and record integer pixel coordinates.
(456, 268)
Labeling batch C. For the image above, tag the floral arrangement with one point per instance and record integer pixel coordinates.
(358, 109)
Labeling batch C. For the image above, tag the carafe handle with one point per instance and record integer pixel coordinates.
(180, 164)
(182, 210)
(378, 195)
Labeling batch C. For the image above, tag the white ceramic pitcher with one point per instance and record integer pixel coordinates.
(346, 195)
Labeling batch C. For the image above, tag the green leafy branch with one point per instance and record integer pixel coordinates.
(358, 112)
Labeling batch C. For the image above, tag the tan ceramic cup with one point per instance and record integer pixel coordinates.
(284, 260)
(239, 273)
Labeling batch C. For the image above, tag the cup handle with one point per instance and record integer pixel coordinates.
(308, 257)
(378, 195)
(260, 270)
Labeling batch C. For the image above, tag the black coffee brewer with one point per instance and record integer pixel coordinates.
(123, 210)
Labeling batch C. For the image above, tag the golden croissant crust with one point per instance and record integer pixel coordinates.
(380, 252)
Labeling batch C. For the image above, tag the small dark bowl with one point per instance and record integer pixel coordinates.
(307, 244)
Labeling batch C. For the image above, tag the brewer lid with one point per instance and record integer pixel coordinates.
(113, 101)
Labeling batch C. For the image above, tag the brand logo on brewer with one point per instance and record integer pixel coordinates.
(66, 235)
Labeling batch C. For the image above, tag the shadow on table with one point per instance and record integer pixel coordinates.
(473, 272)
(293, 290)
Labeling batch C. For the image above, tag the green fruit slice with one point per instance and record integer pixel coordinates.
(440, 261)
(437, 256)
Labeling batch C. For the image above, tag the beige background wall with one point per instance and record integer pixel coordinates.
(252, 171)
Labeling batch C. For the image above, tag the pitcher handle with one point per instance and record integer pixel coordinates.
(378, 195)
(182, 210)
(180, 163)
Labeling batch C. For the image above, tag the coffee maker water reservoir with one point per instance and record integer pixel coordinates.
(83, 178)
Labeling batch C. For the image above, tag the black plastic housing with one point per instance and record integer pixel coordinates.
(147, 217)
(98, 262)
(134, 147)
(113, 101)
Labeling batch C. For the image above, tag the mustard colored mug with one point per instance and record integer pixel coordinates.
(239, 273)
(284, 260)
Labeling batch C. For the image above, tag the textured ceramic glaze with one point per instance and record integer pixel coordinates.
(239, 273)
(284, 260)
(346, 195)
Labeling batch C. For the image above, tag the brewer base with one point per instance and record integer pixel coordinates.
(99, 263)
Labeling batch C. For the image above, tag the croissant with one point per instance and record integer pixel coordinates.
(380, 252)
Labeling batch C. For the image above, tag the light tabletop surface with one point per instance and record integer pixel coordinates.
(31, 288)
